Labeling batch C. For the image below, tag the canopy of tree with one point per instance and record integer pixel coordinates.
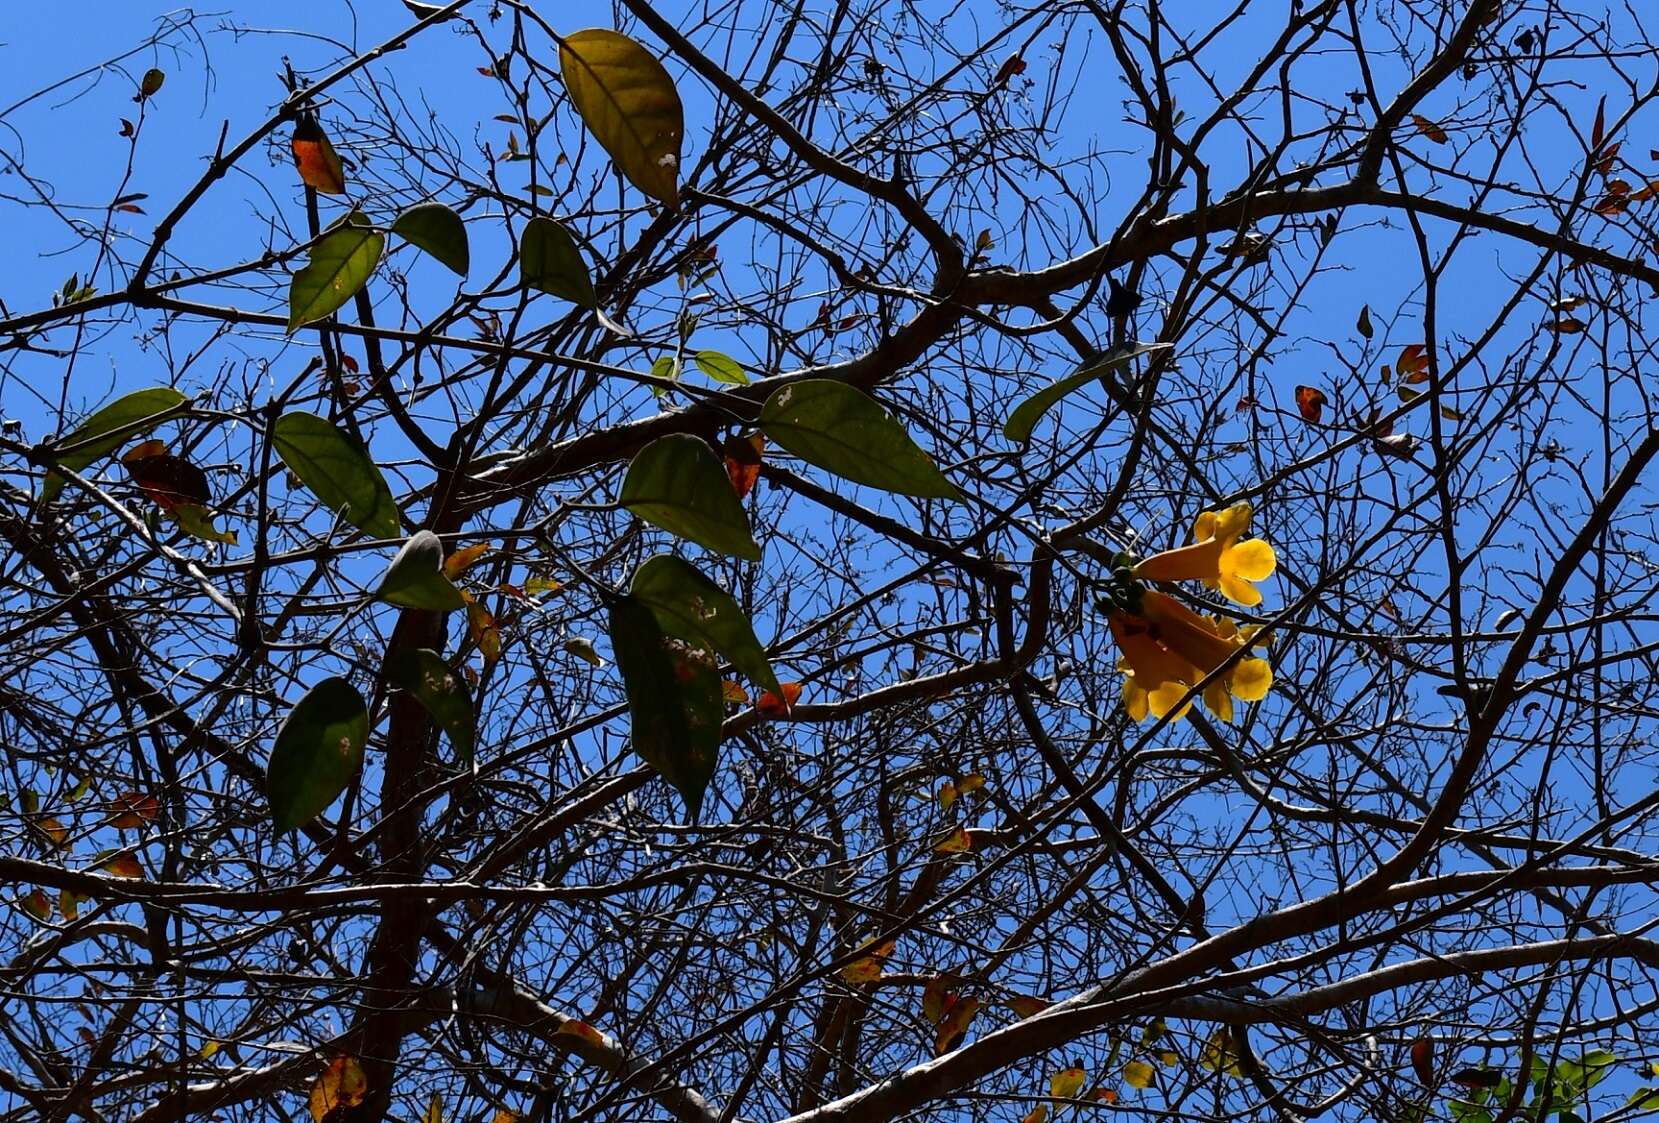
(842, 561)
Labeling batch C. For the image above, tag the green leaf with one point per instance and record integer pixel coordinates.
(341, 263)
(666, 368)
(549, 261)
(1024, 419)
(415, 579)
(197, 522)
(676, 483)
(105, 431)
(338, 470)
(691, 606)
(1643, 1099)
(439, 231)
(150, 85)
(629, 104)
(318, 750)
(1574, 1079)
(424, 676)
(720, 367)
(843, 430)
(674, 701)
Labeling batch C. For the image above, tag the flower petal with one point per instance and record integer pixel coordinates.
(1253, 559)
(1166, 698)
(1232, 522)
(1203, 527)
(1188, 563)
(1251, 680)
(1239, 591)
(1218, 701)
(1134, 699)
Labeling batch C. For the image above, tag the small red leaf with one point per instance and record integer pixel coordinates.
(773, 706)
(1422, 1061)
(171, 481)
(1311, 402)
(743, 456)
(1012, 67)
(134, 809)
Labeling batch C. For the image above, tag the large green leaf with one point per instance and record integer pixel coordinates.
(628, 102)
(341, 263)
(104, 432)
(843, 430)
(318, 750)
(439, 231)
(415, 579)
(423, 674)
(677, 483)
(674, 701)
(694, 608)
(1024, 419)
(549, 261)
(338, 470)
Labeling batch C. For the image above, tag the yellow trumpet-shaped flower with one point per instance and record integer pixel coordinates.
(1156, 678)
(1168, 649)
(1217, 557)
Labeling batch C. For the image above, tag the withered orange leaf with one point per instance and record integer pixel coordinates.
(1066, 1083)
(1414, 360)
(134, 809)
(1429, 129)
(956, 841)
(1422, 1061)
(743, 456)
(867, 967)
(122, 863)
(38, 905)
(481, 626)
(340, 1086)
(1311, 403)
(938, 997)
(581, 1029)
(171, 481)
(1011, 67)
(318, 163)
(953, 1027)
(49, 827)
(1025, 1006)
(461, 560)
(773, 705)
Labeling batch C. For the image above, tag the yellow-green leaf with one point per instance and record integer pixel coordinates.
(108, 429)
(1138, 1074)
(628, 102)
(341, 263)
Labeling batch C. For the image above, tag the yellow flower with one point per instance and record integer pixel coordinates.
(1203, 644)
(1217, 557)
(1156, 678)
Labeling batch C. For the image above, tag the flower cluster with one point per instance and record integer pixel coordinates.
(1168, 649)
